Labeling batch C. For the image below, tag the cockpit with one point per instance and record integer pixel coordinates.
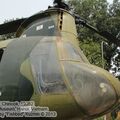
(41, 24)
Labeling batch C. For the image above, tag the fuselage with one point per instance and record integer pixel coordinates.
(46, 65)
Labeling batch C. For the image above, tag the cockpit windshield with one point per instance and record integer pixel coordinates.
(46, 26)
(46, 69)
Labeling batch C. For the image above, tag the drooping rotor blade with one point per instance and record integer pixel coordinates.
(105, 34)
(110, 38)
(10, 27)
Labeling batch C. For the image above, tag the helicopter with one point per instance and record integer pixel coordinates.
(45, 64)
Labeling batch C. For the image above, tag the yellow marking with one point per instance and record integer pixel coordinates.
(3, 44)
(26, 71)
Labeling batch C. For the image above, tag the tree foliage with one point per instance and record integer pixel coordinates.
(103, 16)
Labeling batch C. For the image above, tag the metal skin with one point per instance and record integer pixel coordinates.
(52, 71)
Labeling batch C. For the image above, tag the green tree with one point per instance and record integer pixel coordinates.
(102, 16)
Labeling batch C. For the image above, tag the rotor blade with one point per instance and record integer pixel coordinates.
(110, 38)
(10, 27)
(105, 34)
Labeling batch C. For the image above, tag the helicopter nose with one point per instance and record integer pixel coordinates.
(95, 90)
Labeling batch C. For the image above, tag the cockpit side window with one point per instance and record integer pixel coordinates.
(72, 53)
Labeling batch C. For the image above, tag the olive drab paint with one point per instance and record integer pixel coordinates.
(46, 65)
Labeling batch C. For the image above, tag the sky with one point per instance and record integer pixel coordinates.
(10, 9)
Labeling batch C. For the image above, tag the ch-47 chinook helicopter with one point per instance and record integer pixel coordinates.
(45, 64)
